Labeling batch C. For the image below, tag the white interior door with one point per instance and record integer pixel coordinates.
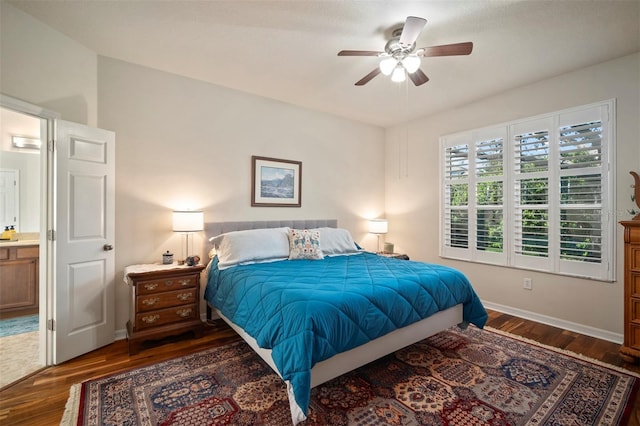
(84, 234)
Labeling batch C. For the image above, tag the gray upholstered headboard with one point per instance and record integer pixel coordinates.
(212, 229)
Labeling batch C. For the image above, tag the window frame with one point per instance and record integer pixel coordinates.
(553, 262)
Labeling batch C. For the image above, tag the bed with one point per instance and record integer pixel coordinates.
(314, 305)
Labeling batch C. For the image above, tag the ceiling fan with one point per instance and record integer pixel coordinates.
(401, 57)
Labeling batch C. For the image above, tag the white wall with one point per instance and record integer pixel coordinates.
(182, 143)
(46, 68)
(413, 187)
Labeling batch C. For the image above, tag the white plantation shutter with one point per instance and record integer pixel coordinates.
(533, 194)
(585, 228)
(473, 196)
(455, 232)
(530, 167)
(489, 184)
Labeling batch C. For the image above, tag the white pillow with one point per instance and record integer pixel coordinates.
(335, 241)
(251, 246)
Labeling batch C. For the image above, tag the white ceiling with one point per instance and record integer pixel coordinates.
(287, 50)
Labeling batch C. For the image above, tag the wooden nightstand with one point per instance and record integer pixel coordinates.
(165, 301)
(395, 255)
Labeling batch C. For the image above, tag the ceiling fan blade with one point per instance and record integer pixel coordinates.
(412, 28)
(364, 80)
(418, 77)
(447, 49)
(358, 53)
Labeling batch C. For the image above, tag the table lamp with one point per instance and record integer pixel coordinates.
(379, 227)
(187, 222)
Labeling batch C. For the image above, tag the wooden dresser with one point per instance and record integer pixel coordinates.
(630, 349)
(164, 302)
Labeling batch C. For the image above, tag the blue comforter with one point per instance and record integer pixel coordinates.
(309, 310)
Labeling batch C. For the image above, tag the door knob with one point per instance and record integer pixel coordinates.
(107, 247)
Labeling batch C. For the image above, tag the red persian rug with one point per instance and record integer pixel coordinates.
(456, 377)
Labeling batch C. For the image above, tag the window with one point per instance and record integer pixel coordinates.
(533, 194)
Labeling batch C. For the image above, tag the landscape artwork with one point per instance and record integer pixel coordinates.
(275, 182)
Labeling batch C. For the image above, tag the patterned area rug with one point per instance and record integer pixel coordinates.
(457, 378)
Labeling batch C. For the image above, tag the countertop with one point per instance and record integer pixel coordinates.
(16, 243)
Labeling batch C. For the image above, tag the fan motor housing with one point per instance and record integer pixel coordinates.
(395, 48)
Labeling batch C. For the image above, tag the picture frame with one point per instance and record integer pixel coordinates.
(275, 182)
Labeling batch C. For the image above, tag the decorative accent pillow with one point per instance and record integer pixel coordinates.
(251, 246)
(336, 241)
(304, 244)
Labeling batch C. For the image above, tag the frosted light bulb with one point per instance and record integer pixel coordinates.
(387, 65)
(411, 64)
(398, 75)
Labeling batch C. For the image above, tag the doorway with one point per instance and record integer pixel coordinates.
(76, 290)
(20, 210)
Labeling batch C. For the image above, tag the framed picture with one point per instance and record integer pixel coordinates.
(275, 182)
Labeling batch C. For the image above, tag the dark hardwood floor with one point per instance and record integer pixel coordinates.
(40, 399)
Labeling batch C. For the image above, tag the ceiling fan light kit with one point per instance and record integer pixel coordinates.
(411, 63)
(387, 65)
(401, 56)
(397, 76)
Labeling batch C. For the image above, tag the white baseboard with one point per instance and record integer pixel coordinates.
(122, 333)
(556, 322)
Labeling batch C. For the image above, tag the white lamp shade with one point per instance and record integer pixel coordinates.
(378, 226)
(188, 221)
(398, 75)
(387, 65)
(411, 64)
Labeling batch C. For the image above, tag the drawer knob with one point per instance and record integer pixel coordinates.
(151, 286)
(184, 312)
(184, 296)
(168, 283)
(150, 319)
(151, 302)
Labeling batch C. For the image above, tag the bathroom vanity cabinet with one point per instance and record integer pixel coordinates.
(19, 282)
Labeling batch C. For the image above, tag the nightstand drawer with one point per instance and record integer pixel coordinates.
(150, 302)
(165, 316)
(166, 284)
